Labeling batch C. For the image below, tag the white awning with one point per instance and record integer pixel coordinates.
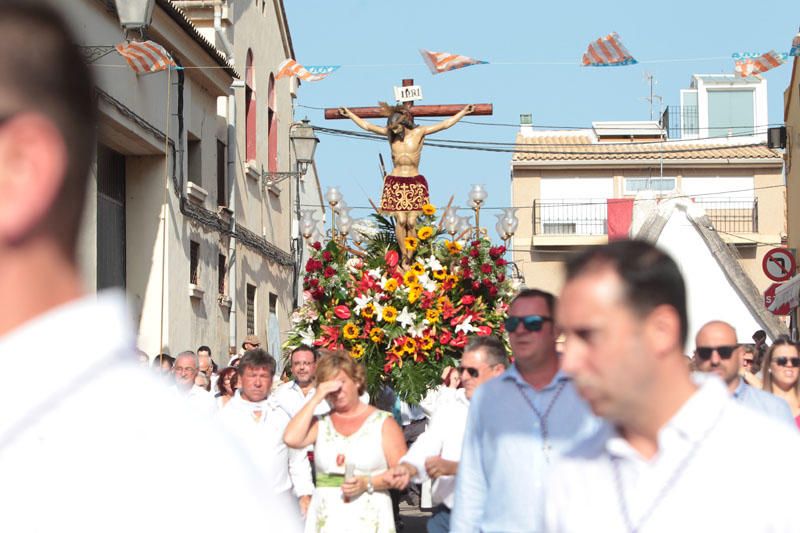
(788, 292)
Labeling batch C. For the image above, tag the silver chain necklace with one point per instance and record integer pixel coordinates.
(673, 478)
(543, 417)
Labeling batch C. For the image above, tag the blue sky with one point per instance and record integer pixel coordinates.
(360, 34)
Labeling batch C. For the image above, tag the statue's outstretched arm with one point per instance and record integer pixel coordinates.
(450, 121)
(361, 123)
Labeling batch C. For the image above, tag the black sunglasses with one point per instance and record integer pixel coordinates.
(472, 371)
(531, 322)
(725, 352)
(784, 361)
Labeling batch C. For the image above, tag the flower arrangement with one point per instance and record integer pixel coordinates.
(405, 322)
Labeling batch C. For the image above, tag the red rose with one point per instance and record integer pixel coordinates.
(501, 277)
(311, 266)
(467, 299)
(327, 256)
(314, 282)
(392, 258)
(476, 243)
(476, 286)
(466, 273)
(484, 331)
(487, 282)
(492, 291)
(464, 261)
(486, 268)
(317, 294)
(474, 252)
(342, 312)
(317, 246)
(501, 262)
(329, 272)
(494, 252)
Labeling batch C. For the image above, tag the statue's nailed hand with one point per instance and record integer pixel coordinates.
(343, 111)
(470, 108)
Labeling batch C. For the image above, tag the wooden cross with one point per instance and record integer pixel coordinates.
(332, 113)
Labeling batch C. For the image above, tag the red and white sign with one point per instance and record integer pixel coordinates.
(778, 264)
(769, 297)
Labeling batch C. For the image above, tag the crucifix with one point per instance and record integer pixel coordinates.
(405, 190)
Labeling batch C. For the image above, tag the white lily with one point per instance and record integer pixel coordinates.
(405, 318)
(378, 312)
(432, 263)
(427, 283)
(375, 273)
(418, 331)
(361, 303)
(307, 337)
(466, 326)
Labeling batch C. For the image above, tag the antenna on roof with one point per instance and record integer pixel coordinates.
(651, 80)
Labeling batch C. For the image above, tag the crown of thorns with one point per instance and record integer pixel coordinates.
(389, 110)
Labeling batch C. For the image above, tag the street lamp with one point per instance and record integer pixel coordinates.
(135, 14)
(333, 196)
(477, 195)
(304, 143)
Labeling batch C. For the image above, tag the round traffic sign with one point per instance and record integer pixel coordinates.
(769, 298)
(778, 264)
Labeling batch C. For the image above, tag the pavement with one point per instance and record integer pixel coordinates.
(413, 519)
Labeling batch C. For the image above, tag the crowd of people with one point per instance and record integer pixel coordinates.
(613, 431)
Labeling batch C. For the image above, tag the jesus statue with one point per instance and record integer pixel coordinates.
(405, 190)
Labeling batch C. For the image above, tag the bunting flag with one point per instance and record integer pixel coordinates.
(795, 51)
(607, 52)
(440, 62)
(755, 66)
(145, 57)
(290, 67)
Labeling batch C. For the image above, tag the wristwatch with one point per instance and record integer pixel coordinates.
(370, 487)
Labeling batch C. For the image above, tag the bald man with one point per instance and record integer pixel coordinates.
(718, 352)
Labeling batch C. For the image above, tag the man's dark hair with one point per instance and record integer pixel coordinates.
(257, 358)
(303, 348)
(43, 71)
(204, 348)
(492, 346)
(549, 299)
(760, 335)
(163, 357)
(649, 276)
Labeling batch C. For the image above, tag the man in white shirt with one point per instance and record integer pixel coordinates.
(186, 369)
(74, 434)
(293, 395)
(206, 366)
(436, 452)
(668, 458)
(259, 425)
(718, 352)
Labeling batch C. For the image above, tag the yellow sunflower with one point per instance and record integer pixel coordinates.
(425, 233)
(368, 311)
(409, 346)
(418, 269)
(411, 243)
(426, 343)
(350, 331)
(453, 247)
(410, 277)
(357, 351)
(390, 285)
(376, 335)
(439, 275)
(414, 293)
(432, 315)
(429, 209)
(389, 314)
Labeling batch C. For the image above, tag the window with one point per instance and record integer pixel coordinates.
(689, 119)
(730, 112)
(194, 161)
(222, 191)
(559, 228)
(222, 273)
(194, 261)
(111, 225)
(657, 185)
(272, 126)
(251, 309)
(250, 108)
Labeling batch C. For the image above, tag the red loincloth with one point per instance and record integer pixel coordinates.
(404, 194)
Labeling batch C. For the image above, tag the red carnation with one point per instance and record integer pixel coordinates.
(501, 277)
(314, 282)
(464, 261)
(476, 243)
(487, 282)
(494, 252)
(486, 268)
(466, 273)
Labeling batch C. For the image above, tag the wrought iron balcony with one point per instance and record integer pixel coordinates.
(570, 217)
(731, 215)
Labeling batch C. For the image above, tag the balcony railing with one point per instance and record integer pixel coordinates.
(570, 217)
(590, 217)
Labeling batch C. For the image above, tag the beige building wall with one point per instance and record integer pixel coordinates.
(792, 120)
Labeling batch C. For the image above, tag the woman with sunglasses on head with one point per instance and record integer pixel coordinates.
(782, 373)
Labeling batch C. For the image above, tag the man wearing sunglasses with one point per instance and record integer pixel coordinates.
(669, 457)
(717, 352)
(436, 453)
(518, 425)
